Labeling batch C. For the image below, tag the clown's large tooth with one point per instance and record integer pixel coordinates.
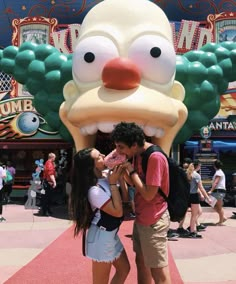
(106, 127)
(149, 130)
(159, 132)
(89, 129)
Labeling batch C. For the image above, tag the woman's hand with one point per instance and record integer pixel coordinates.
(201, 196)
(208, 199)
(115, 174)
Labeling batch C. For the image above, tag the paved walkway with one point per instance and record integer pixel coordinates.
(209, 260)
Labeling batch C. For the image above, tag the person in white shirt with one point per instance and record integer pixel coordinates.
(218, 190)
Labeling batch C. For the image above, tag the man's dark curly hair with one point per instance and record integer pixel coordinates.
(128, 133)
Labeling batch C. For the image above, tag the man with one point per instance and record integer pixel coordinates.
(49, 182)
(152, 217)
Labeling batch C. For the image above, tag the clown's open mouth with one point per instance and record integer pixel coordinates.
(107, 127)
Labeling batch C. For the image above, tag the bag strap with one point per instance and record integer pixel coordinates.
(145, 156)
(85, 230)
(83, 241)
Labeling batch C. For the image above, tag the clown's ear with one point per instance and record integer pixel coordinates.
(178, 91)
(70, 90)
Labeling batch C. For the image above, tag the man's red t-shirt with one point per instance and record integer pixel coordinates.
(49, 169)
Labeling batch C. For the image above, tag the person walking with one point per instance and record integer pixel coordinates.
(180, 230)
(2, 176)
(49, 183)
(218, 190)
(96, 205)
(152, 217)
(8, 185)
(196, 190)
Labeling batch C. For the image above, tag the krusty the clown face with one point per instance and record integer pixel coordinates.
(123, 70)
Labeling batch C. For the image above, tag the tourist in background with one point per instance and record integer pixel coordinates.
(49, 183)
(9, 184)
(196, 190)
(181, 231)
(218, 190)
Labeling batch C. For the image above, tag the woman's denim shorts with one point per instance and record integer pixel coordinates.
(219, 194)
(102, 245)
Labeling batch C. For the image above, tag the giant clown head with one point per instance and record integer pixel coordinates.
(123, 70)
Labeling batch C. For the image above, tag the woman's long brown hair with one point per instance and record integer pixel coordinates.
(83, 178)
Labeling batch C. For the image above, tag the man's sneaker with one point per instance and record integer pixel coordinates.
(171, 234)
(132, 215)
(182, 232)
(194, 235)
(2, 219)
(201, 227)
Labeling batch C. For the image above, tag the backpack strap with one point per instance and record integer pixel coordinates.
(145, 156)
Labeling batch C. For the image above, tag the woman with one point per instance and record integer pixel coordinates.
(96, 204)
(181, 231)
(196, 190)
(218, 190)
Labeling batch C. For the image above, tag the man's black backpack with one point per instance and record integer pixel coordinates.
(178, 199)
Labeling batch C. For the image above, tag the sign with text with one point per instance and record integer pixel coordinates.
(19, 119)
(207, 169)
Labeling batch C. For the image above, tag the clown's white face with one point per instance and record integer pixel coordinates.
(123, 70)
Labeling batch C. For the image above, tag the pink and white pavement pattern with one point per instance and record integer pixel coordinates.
(209, 260)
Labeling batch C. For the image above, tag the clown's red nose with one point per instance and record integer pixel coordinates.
(121, 74)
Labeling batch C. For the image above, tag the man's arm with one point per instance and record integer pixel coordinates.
(52, 177)
(148, 192)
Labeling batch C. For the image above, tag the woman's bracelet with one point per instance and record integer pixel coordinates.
(132, 172)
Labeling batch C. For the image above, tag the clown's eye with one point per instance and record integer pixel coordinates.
(90, 56)
(155, 57)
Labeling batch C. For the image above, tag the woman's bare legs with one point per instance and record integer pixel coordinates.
(101, 270)
(194, 216)
(199, 214)
(219, 209)
(122, 267)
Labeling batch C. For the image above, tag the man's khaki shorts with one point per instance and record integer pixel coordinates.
(151, 242)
